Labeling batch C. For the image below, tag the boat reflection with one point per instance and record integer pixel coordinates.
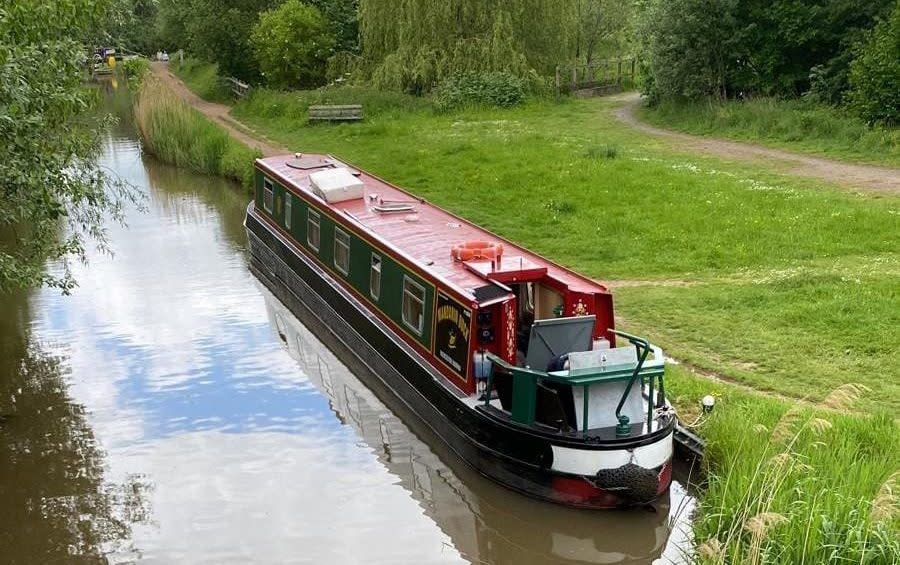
(487, 523)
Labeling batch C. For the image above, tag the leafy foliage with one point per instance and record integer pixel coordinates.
(291, 44)
(875, 73)
(415, 45)
(732, 48)
(53, 196)
(215, 30)
(499, 88)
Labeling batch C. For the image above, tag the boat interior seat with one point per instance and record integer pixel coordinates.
(504, 386)
(550, 406)
(563, 408)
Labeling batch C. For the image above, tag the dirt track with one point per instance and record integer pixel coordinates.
(860, 177)
(219, 113)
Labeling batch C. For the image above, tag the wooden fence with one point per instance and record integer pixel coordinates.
(603, 76)
(238, 88)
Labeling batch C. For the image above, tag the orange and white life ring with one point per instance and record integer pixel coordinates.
(476, 250)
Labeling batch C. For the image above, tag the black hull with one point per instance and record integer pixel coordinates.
(513, 455)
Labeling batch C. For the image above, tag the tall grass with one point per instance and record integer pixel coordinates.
(292, 106)
(787, 484)
(202, 78)
(796, 124)
(178, 134)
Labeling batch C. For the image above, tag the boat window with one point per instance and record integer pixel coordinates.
(268, 195)
(312, 230)
(413, 305)
(341, 251)
(375, 277)
(287, 210)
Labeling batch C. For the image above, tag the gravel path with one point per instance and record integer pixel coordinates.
(219, 113)
(855, 176)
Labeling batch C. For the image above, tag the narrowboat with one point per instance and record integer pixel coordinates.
(483, 519)
(512, 360)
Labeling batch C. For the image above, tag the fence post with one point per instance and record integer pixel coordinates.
(574, 77)
(557, 83)
(619, 72)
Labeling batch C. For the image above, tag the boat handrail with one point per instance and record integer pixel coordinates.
(525, 381)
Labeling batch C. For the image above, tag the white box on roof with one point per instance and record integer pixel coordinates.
(336, 185)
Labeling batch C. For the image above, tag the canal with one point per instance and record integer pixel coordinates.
(171, 410)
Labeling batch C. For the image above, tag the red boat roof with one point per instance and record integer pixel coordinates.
(424, 235)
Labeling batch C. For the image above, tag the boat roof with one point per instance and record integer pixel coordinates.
(424, 235)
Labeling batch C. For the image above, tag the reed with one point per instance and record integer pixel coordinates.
(819, 488)
(178, 134)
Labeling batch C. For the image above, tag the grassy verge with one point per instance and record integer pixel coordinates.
(780, 283)
(178, 134)
(792, 485)
(201, 77)
(791, 124)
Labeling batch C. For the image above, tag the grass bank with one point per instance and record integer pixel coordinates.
(178, 134)
(790, 124)
(202, 78)
(786, 484)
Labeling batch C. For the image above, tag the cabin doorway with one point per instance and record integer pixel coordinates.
(536, 301)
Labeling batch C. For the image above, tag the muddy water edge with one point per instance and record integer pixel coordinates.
(171, 410)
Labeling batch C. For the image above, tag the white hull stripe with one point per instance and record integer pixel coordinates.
(588, 462)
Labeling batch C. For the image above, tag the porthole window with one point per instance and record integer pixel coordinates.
(313, 233)
(341, 251)
(413, 305)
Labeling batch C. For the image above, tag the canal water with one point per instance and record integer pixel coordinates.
(171, 410)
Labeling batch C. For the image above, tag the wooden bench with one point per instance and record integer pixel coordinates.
(334, 113)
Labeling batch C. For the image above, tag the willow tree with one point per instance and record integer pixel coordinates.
(413, 44)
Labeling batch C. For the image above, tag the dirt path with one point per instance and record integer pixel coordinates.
(865, 177)
(219, 113)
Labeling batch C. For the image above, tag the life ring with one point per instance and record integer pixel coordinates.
(472, 250)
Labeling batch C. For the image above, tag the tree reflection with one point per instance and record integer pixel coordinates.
(57, 506)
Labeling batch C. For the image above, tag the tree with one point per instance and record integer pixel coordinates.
(53, 196)
(291, 44)
(414, 44)
(601, 26)
(875, 73)
(688, 48)
(342, 16)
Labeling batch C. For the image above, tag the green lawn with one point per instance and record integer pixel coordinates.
(202, 78)
(780, 283)
(797, 125)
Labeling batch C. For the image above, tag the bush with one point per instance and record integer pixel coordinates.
(136, 68)
(291, 44)
(500, 89)
(875, 73)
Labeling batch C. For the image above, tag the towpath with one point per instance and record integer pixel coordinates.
(850, 175)
(219, 113)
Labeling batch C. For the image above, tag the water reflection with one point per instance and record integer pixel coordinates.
(58, 504)
(487, 523)
(154, 416)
